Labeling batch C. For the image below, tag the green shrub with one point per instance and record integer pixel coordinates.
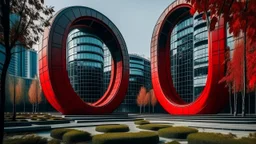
(141, 122)
(126, 138)
(154, 127)
(112, 128)
(58, 133)
(54, 141)
(252, 135)
(138, 119)
(176, 132)
(217, 138)
(173, 142)
(75, 136)
(30, 139)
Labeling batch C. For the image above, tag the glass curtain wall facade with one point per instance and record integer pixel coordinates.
(85, 59)
(181, 50)
(200, 54)
(139, 76)
(107, 67)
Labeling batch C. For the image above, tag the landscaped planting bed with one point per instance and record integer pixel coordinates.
(217, 138)
(29, 139)
(112, 128)
(176, 132)
(76, 136)
(173, 142)
(126, 138)
(58, 133)
(141, 122)
(154, 127)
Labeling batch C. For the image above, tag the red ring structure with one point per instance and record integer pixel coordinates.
(52, 62)
(214, 97)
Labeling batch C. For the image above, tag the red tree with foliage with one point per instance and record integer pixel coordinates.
(141, 96)
(240, 15)
(153, 100)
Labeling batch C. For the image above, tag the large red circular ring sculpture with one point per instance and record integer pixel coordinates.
(52, 62)
(214, 97)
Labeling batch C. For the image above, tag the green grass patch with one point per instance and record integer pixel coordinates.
(141, 122)
(176, 132)
(126, 138)
(76, 136)
(30, 139)
(217, 138)
(154, 127)
(112, 128)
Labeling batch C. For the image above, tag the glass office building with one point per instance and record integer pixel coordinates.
(23, 62)
(139, 76)
(181, 51)
(189, 57)
(85, 63)
(200, 54)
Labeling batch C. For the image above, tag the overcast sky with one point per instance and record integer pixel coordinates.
(134, 18)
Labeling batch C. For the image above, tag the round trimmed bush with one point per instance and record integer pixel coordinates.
(76, 136)
(154, 127)
(217, 138)
(29, 139)
(173, 142)
(141, 122)
(126, 138)
(58, 133)
(176, 132)
(54, 141)
(112, 128)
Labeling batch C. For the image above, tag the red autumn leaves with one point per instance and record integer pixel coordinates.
(241, 18)
(238, 14)
(146, 98)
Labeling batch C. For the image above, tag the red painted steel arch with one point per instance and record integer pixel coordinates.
(214, 97)
(52, 62)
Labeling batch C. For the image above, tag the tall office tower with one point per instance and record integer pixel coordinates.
(139, 76)
(200, 54)
(181, 50)
(107, 67)
(85, 59)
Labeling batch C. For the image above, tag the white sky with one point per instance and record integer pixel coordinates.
(134, 18)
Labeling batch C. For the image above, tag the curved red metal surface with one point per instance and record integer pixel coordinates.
(52, 63)
(214, 97)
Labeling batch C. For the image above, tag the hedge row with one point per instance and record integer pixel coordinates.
(126, 138)
(176, 132)
(217, 138)
(70, 135)
(154, 127)
(141, 122)
(173, 142)
(112, 128)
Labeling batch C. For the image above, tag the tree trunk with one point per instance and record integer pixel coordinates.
(24, 104)
(5, 21)
(244, 67)
(230, 100)
(235, 102)
(153, 108)
(140, 109)
(14, 100)
(2, 89)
